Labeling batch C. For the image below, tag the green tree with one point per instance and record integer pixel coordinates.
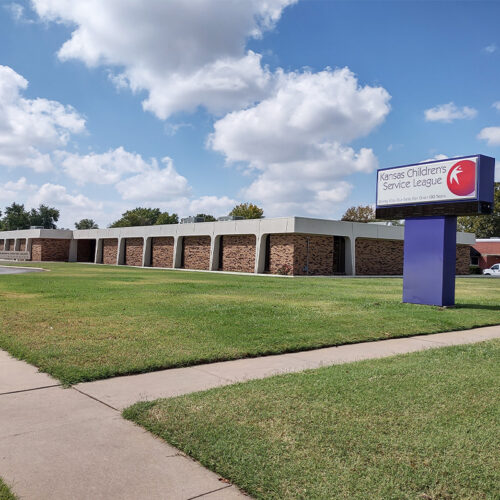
(166, 218)
(248, 211)
(208, 218)
(44, 216)
(86, 224)
(138, 217)
(361, 213)
(485, 226)
(16, 217)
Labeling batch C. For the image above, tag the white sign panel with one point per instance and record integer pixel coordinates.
(447, 180)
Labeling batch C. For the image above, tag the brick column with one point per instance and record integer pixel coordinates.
(260, 253)
(146, 252)
(177, 252)
(214, 253)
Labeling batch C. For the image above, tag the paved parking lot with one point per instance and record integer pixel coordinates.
(18, 270)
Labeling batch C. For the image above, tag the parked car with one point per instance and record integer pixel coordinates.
(493, 270)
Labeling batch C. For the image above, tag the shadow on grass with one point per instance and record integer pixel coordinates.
(478, 306)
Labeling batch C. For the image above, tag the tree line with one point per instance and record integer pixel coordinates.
(484, 226)
(17, 217)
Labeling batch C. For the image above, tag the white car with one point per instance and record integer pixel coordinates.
(493, 270)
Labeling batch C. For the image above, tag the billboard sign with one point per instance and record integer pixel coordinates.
(451, 186)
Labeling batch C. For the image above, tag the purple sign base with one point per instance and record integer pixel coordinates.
(430, 250)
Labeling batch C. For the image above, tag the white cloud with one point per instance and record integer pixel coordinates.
(439, 156)
(491, 135)
(491, 48)
(185, 54)
(103, 168)
(58, 196)
(496, 105)
(296, 139)
(31, 128)
(155, 184)
(72, 206)
(212, 205)
(17, 13)
(447, 113)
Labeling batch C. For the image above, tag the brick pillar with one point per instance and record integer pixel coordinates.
(146, 252)
(214, 253)
(177, 252)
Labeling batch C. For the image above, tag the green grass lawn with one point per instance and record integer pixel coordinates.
(5, 493)
(83, 322)
(420, 426)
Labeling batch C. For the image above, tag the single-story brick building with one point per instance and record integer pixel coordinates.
(291, 245)
(487, 252)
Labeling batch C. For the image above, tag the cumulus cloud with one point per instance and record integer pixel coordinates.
(184, 54)
(103, 168)
(489, 49)
(212, 205)
(31, 128)
(296, 139)
(150, 183)
(496, 105)
(155, 183)
(447, 113)
(73, 206)
(491, 135)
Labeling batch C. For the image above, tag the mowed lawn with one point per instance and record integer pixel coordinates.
(420, 426)
(83, 322)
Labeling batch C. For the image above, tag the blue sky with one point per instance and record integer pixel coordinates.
(195, 106)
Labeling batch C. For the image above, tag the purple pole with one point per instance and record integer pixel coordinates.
(430, 248)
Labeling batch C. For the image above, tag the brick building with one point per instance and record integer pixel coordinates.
(487, 252)
(291, 245)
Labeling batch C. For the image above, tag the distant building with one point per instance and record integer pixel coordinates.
(288, 245)
(485, 252)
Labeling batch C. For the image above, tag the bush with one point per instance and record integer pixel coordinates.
(284, 269)
(475, 270)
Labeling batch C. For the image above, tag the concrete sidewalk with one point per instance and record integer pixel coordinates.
(60, 443)
(121, 392)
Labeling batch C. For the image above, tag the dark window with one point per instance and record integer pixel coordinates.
(221, 252)
(267, 257)
(338, 255)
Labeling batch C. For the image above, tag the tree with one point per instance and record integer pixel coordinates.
(86, 224)
(208, 218)
(361, 213)
(16, 217)
(145, 217)
(485, 226)
(166, 218)
(248, 211)
(138, 217)
(44, 216)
